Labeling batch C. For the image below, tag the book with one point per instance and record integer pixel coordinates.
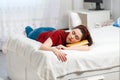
(81, 43)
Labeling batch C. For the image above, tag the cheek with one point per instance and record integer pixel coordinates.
(69, 35)
(67, 39)
(76, 40)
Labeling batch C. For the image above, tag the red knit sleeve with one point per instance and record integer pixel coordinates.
(57, 37)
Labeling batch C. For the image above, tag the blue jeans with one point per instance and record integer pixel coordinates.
(33, 34)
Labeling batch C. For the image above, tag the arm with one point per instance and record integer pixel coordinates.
(47, 45)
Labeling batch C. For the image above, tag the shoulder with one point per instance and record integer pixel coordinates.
(59, 32)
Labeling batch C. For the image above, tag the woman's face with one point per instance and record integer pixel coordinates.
(74, 36)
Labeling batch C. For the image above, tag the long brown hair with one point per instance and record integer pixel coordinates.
(85, 33)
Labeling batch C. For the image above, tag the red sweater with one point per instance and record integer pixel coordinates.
(57, 36)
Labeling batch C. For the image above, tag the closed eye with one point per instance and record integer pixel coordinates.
(76, 36)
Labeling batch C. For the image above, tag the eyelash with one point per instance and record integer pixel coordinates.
(76, 37)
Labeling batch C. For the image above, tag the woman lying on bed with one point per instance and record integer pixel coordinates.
(56, 40)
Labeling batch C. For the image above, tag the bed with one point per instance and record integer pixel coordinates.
(26, 62)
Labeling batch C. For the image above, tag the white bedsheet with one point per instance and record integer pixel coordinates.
(104, 53)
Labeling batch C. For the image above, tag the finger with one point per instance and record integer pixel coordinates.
(57, 47)
(65, 54)
(58, 57)
(62, 57)
(64, 47)
(65, 57)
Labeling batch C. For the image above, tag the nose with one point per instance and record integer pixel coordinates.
(72, 36)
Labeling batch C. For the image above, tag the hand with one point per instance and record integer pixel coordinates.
(60, 54)
(61, 47)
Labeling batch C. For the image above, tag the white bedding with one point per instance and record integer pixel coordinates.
(104, 53)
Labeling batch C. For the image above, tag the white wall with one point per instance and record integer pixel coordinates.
(115, 9)
(33, 12)
(114, 6)
(66, 7)
(77, 4)
(69, 5)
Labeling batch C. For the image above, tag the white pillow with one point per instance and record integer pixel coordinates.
(74, 19)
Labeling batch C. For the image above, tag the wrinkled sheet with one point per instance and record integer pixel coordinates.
(104, 54)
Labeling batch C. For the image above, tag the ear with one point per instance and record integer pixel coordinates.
(81, 43)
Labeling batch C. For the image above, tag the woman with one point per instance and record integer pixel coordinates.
(56, 40)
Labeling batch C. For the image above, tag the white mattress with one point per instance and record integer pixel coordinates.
(104, 54)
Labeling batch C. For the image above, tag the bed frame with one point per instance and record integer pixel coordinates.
(22, 56)
(19, 69)
(105, 74)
